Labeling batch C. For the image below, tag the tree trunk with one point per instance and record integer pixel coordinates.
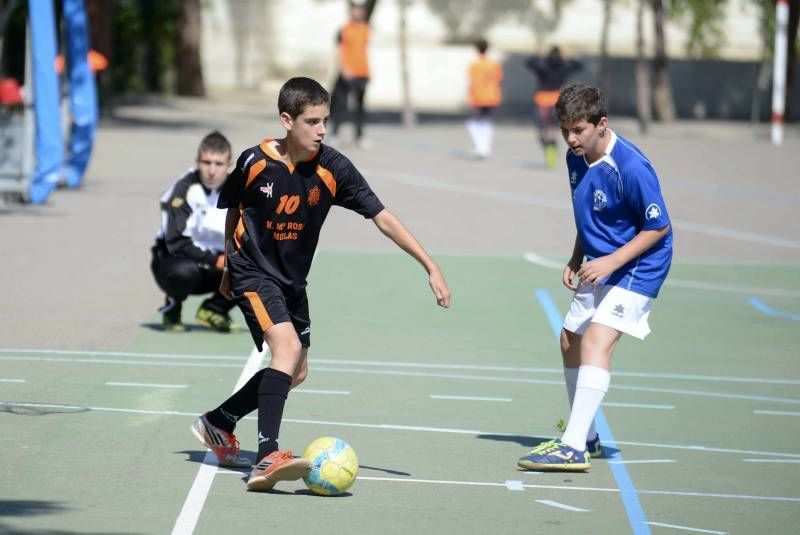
(644, 111)
(665, 105)
(791, 56)
(189, 69)
(409, 117)
(369, 7)
(605, 75)
(101, 38)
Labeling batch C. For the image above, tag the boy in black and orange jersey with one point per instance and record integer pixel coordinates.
(277, 199)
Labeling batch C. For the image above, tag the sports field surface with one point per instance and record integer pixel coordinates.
(701, 424)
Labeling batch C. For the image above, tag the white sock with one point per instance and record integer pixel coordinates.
(487, 132)
(590, 390)
(571, 379)
(473, 127)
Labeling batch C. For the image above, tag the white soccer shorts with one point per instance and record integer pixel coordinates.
(616, 307)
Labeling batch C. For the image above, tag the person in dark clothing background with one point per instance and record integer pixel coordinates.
(552, 72)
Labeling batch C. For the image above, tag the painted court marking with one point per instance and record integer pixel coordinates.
(777, 413)
(323, 392)
(558, 204)
(469, 398)
(515, 485)
(190, 512)
(639, 406)
(424, 429)
(538, 260)
(12, 380)
(146, 385)
(551, 503)
(786, 461)
(769, 311)
(628, 492)
(643, 461)
(791, 499)
(560, 383)
(686, 528)
(392, 364)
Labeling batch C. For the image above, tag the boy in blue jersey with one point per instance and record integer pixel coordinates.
(624, 234)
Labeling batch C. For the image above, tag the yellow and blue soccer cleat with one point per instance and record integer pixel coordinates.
(554, 455)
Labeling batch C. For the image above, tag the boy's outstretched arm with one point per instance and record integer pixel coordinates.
(598, 269)
(394, 229)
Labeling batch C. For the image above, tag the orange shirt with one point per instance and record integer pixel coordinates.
(353, 49)
(484, 82)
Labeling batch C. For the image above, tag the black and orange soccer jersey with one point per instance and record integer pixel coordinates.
(282, 209)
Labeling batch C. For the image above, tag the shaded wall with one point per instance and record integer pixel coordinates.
(710, 89)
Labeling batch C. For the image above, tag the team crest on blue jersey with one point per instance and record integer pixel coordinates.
(599, 200)
(573, 178)
(652, 212)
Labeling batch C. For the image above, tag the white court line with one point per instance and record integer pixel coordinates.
(395, 364)
(560, 383)
(685, 528)
(643, 461)
(588, 489)
(771, 460)
(515, 485)
(330, 392)
(777, 413)
(532, 200)
(12, 380)
(534, 258)
(551, 503)
(328, 423)
(146, 385)
(469, 398)
(121, 354)
(190, 512)
(639, 406)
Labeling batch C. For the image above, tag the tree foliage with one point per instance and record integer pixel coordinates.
(706, 20)
(465, 20)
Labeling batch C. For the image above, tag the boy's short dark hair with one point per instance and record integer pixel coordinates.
(299, 93)
(482, 45)
(215, 142)
(578, 102)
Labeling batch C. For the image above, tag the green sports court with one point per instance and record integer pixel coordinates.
(701, 423)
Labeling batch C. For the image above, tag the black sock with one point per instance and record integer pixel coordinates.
(241, 403)
(272, 395)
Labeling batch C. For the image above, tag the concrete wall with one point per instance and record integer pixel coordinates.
(257, 44)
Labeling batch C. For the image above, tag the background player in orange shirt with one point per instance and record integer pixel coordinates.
(347, 100)
(485, 75)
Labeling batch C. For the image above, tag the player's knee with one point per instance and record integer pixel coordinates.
(568, 341)
(299, 376)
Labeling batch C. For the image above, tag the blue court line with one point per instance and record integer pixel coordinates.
(769, 311)
(630, 499)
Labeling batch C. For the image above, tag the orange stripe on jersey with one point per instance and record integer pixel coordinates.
(254, 170)
(264, 321)
(268, 150)
(237, 235)
(327, 178)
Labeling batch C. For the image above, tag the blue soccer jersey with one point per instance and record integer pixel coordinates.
(614, 199)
